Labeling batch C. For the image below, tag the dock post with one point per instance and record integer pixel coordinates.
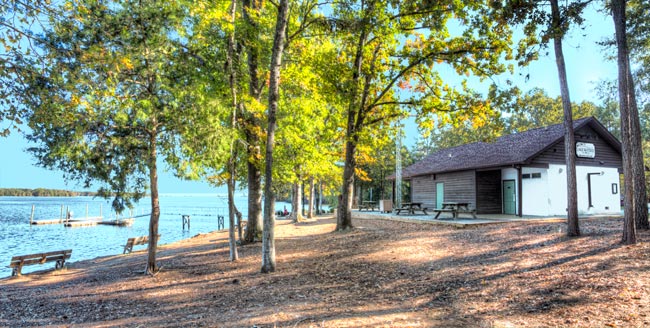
(186, 219)
(67, 214)
(220, 222)
(31, 218)
(61, 216)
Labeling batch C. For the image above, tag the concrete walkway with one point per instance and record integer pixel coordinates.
(464, 221)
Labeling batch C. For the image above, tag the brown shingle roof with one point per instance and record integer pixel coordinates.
(517, 148)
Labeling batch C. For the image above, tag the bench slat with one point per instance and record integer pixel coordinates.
(17, 262)
(18, 258)
(39, 260)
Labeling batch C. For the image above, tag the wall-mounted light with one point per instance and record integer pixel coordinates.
(614, 188)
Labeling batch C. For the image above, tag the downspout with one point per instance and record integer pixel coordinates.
(589, 186)
(519, 192)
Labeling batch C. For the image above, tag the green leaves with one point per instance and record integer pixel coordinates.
(114, 95)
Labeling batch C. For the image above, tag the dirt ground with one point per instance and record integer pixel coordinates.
(381, 274)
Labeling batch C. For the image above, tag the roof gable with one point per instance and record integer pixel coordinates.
(513, 149)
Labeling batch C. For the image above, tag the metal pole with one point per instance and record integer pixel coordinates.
(31, 218)
(398, 166)
(61, 216)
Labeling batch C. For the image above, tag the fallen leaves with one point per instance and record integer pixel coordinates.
(385, 273)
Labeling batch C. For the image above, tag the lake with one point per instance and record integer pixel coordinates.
(18, 237)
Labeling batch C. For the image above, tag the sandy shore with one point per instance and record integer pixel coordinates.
(381, 274)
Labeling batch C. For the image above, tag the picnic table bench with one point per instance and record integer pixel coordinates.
(411, 208)
(133, 241)
(17, 262)
(455, 208)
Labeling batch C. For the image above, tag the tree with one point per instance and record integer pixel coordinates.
(268, 234)
(554, 25)
(113, 100)
(251, 118)
(637, 33)
(636, 210)
(20, 26)
(383, 51)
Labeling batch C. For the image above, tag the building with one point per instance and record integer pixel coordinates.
(523, 173)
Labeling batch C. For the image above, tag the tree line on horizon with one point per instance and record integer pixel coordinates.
(43, 192)
(303, 95)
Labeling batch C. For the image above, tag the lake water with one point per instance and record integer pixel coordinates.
(18, 237)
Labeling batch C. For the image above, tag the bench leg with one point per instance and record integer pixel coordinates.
(437, 215)
(127, 249)
(59, 264)
(16, 270)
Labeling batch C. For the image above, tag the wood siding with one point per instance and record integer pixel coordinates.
(488, 192)
(605, 153)
(459, 187)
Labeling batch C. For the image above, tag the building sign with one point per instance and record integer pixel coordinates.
(585, 150)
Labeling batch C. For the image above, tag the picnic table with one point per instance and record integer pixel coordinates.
(411, 208)
(368, 205)
(455, 208)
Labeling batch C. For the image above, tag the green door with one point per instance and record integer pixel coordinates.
(509, 203)
(440, 194)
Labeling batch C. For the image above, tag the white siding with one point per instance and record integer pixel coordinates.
(547, 195)
(603, 200)
(535, 192)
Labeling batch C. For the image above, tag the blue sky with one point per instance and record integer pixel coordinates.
(585, 66)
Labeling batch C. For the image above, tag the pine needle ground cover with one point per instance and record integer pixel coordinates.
(380, 274)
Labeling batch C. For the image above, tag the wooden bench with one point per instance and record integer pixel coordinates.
(133, 241)
(17, 262)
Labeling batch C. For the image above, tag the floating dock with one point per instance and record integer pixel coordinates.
(80, 223)
(63, 221)
(118, 222)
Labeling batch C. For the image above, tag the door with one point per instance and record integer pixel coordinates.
(509, 198)
(440, 194)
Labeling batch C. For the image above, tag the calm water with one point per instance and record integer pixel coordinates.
(18, 237)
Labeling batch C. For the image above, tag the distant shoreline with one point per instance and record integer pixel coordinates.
(42, 192)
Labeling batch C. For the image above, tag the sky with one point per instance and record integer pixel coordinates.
(585, 66)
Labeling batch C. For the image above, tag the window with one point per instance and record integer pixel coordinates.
(531, 176)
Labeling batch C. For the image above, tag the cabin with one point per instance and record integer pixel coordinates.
(523, 173)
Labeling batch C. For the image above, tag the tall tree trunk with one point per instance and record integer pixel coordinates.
(638, 165)
(310, 206)
(296, 203)
(268, 234)
(232, 78)
(231, 214)
(344, 211)
(152, 268)
(254, 228)
(636, 211)
(573, 228)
